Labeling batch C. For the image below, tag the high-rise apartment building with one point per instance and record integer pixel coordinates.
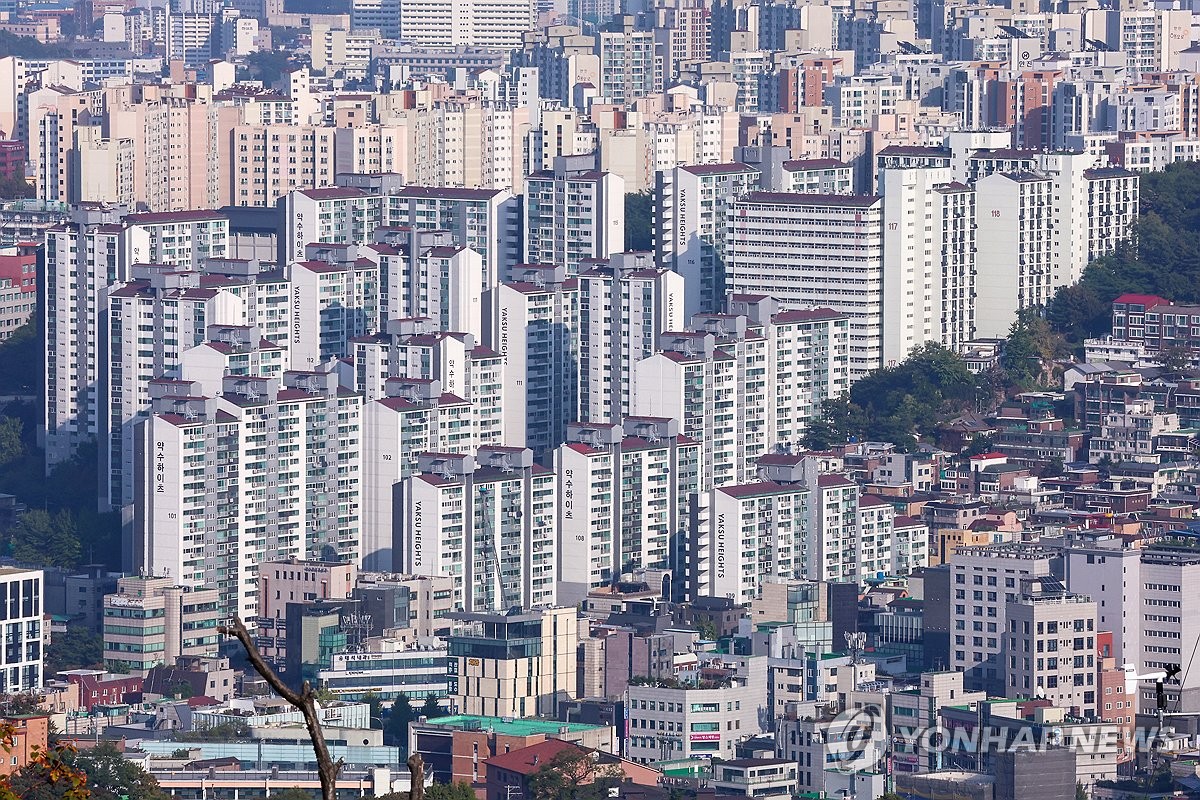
(334, 298)
(425, 275)
(414, 416)
(716, 381)
(743, 535)
(83, 257)
(536, 333)
(929, 260)
(490, 521)
(152, 321)
(624, 491)
(573, 212)
(263, 470)
(808, 362)
(813, 251)
(486, 220)
(692, 203)
(446, 24)
(624, 304)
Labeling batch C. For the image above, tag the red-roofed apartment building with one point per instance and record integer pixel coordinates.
(508, 774)
(18, 292)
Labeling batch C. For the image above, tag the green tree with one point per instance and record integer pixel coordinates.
(324, 695)
(78, 648)
(902, 402)
(980, 445)
(225, 732)
(833, 425)
(375, 704)
(639, 221)
(1080, 792)
(40, 537)
(395, 731)
(12, 444)
(17, 353)
(16, 188)
(459, 790)
(110, 776)
(1175, 358)
(431, 709)
(27, 47)
(573, 774)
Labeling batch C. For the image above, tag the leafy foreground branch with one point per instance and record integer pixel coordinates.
(303, 701)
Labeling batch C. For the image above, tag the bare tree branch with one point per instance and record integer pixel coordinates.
(304, 701)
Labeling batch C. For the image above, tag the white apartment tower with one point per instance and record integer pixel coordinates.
(692, 203)
(295, 493)
(82, 259)
(715, 384)
(447, 24)
(486, 220)
(413, 417)
(625, 492)
(929, 260)
(1015, 237)
(813, 251)
(489, 521)
(743, 535)
(152, 321)
(334, 298)
(624, 304)
(808, 362)
(428, 276)
(573, 212)
(536, 333)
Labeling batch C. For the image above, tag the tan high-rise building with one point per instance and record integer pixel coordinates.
(152, 620)
(528, 675)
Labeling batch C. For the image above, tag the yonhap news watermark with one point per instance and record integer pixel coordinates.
(859, 740)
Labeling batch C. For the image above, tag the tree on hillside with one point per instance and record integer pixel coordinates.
(79, 648)
(639, 222)
(896, 404)
(1162, 257)
(40, 537)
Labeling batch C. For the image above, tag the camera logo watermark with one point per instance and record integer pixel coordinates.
(857, 739)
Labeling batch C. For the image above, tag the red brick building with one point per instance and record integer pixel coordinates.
(99, 688)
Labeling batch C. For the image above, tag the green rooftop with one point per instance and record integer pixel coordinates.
(510, 726)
